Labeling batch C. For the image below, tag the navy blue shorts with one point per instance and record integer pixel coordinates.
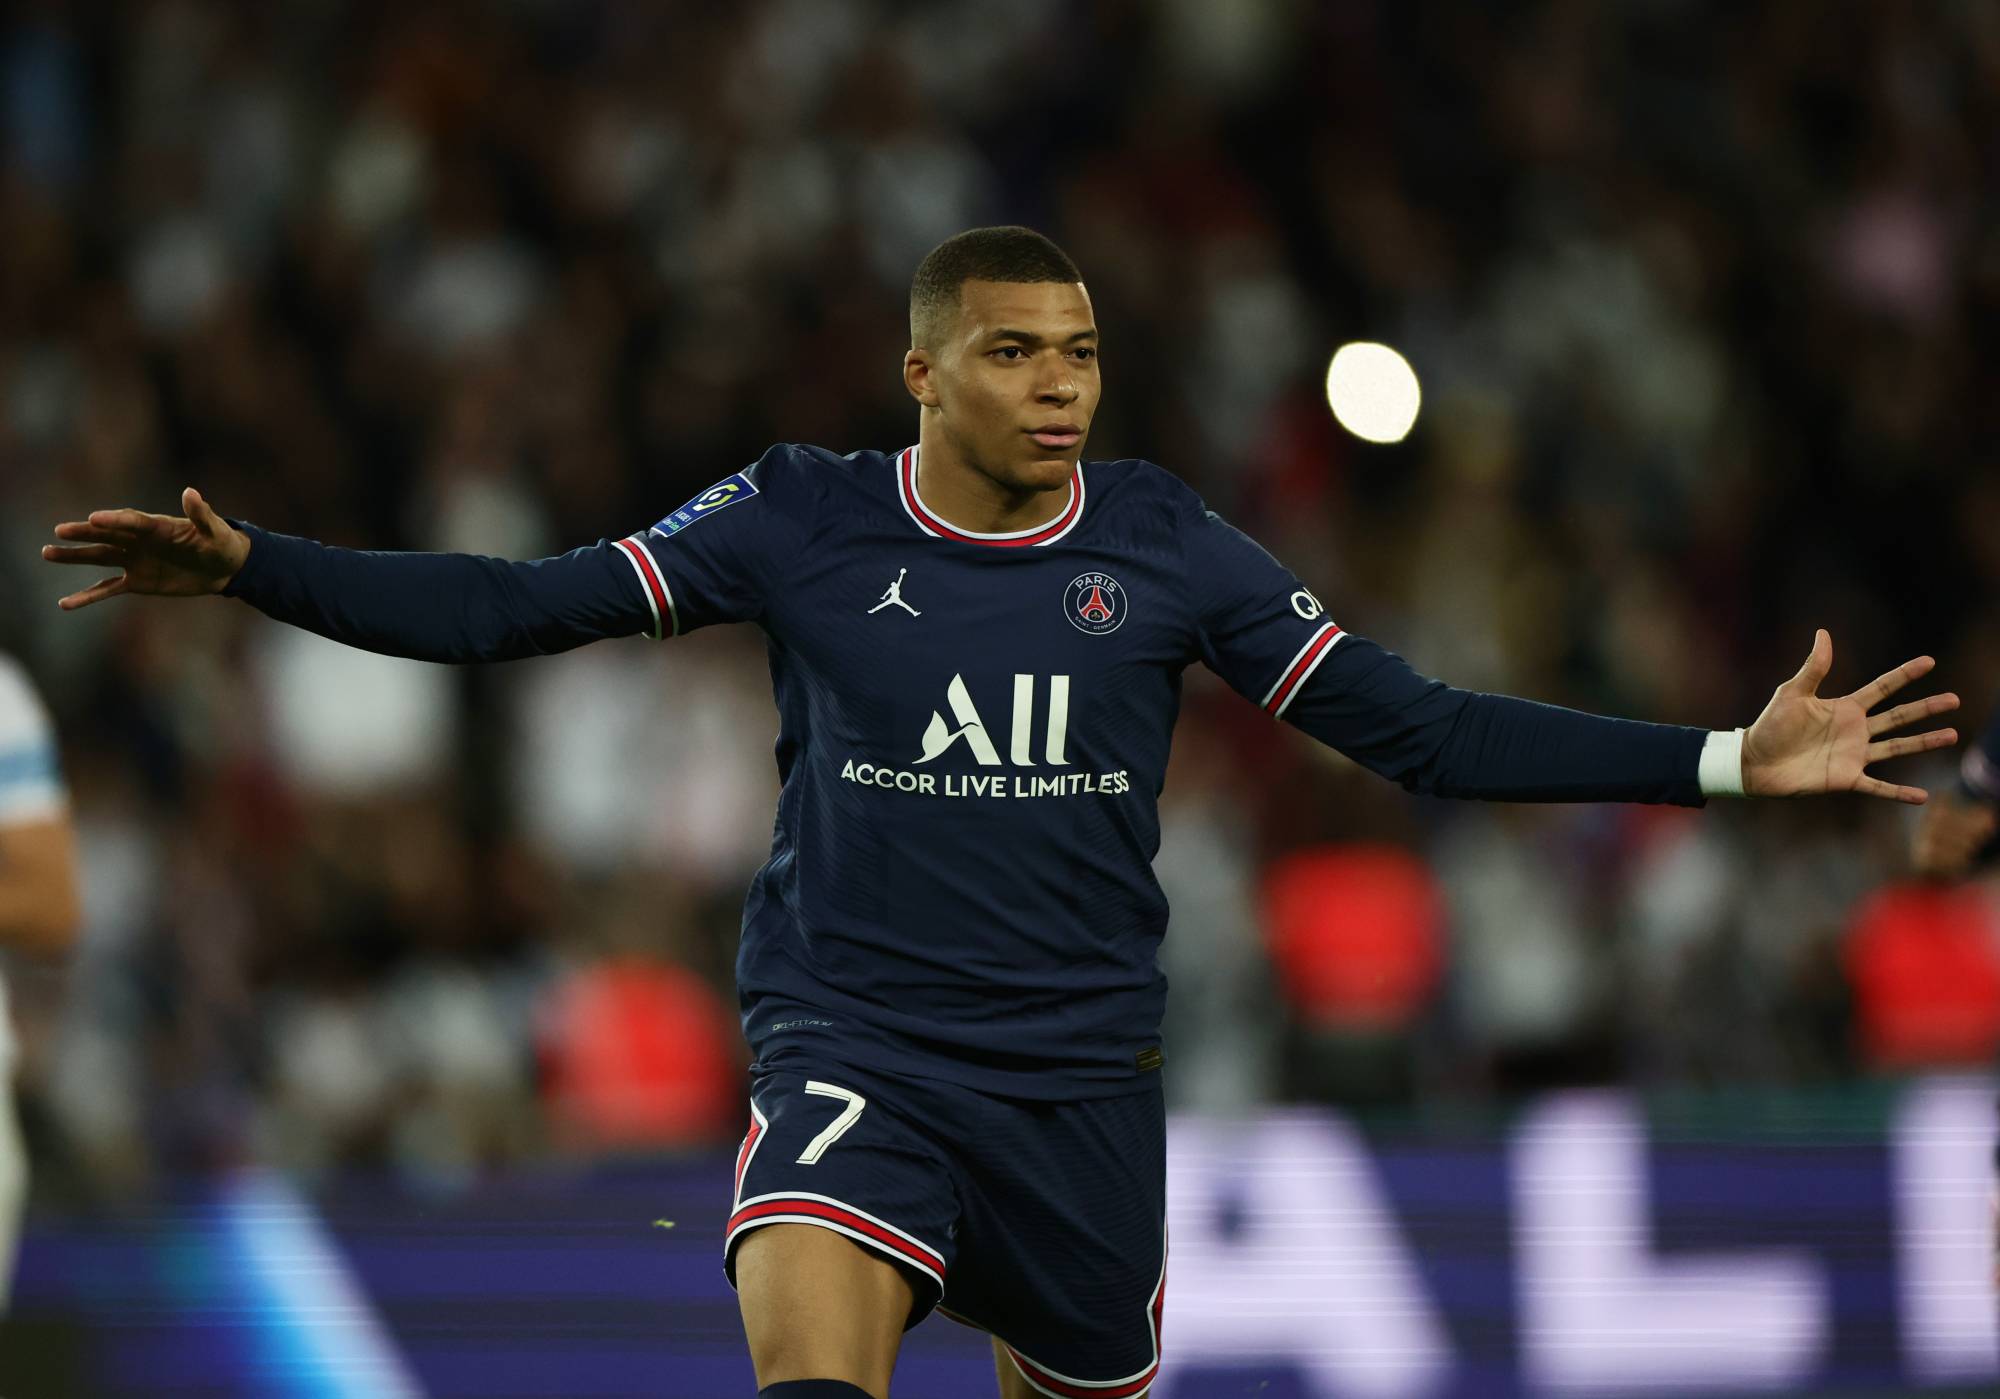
(1042, 1223)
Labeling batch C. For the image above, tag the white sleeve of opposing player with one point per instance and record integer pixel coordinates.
(31, 787)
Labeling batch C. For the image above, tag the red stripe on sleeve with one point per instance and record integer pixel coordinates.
(1297, 673)
(662, 609)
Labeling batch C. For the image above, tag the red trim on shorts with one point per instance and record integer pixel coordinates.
(1062, 1386)
(1050, 1383)
(916, 1255)
(744, 1152)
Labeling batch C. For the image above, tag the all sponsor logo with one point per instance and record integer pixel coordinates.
(940, 734)
(1037, 736)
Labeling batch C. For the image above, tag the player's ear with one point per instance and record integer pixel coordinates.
(919, 378)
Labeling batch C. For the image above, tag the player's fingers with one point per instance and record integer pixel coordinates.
(1909, 713)
(103, 555)
(96, 592)
(1890, 681)
(82, 531)
(1914, 743)
(1819, 661)
(136, 521)
(1871, 787)
(205, 519)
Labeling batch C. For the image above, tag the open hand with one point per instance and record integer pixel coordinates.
(161, 555)
(1802, 744)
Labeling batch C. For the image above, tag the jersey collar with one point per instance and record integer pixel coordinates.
(906, 487)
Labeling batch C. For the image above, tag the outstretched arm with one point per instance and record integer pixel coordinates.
(1432, 738)
(433, 607)
(1261, 627)
(1435, 739)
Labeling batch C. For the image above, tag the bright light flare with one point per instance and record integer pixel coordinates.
(1373, 392)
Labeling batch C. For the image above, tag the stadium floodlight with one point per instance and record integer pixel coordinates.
(1373, 391)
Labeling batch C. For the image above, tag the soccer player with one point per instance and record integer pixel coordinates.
(947, 971)
(38, 902)
(1957, 834)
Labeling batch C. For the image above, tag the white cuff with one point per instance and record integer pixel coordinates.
(1722, 764)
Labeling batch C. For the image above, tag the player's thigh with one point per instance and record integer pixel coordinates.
(1012, 1385)
(817, 1306)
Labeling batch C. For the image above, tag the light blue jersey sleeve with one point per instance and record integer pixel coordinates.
(31, 788)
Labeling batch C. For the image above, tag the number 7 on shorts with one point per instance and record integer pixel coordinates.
(849, 1115)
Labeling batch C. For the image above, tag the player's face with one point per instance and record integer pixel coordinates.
(1015, 381)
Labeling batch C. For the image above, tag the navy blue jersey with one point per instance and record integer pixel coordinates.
(973, 733)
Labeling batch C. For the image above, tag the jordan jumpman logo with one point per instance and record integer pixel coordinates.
(892, 596)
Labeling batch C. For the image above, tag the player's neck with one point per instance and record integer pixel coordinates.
(966, 498)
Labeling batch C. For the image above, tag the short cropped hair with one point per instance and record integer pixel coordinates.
(1008, 253)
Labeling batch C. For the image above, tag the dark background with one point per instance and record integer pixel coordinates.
(1702, 297)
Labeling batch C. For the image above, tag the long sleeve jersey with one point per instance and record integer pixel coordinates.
(973, 733)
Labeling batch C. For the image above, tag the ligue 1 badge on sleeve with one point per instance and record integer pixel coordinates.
(1094, 603)
(726, 492)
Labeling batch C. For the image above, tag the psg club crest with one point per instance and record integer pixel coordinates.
(1095, 603)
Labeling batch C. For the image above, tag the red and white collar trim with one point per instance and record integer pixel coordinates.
(929, 523)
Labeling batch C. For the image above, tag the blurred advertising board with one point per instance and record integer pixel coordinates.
(1587, 1244)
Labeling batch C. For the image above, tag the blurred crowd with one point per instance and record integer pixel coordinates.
(1702, 297)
